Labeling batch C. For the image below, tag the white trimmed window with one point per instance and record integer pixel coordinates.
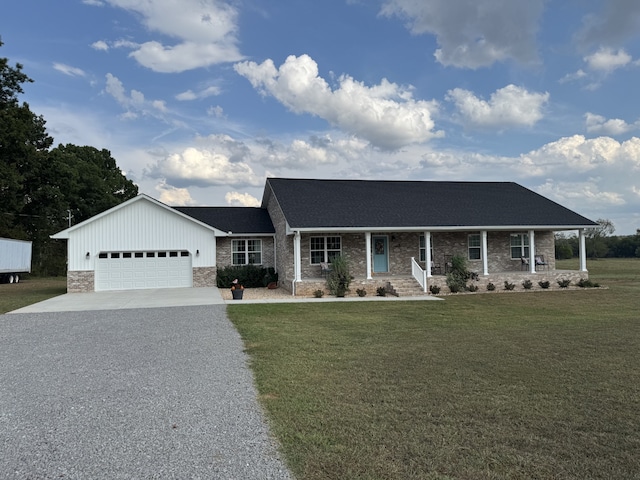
(519, 245)
(324, 249)
(475, 247)
(423, 249)
(247, 252)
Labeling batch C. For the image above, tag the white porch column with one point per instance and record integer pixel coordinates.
(367, 238)
(583, 250)
(532, 252)
(297, 268)
(485, 259)
(427, 252)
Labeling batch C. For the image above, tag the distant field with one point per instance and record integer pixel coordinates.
(494, 386)
(30, 291)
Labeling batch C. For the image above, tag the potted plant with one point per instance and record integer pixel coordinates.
(237, 289)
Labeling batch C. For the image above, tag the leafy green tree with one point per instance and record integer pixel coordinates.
(41, 187)
(596, 238)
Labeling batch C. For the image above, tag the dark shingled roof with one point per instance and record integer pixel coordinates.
(308, 203)
(239, 220)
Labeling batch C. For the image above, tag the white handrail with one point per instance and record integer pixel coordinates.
(419, 274)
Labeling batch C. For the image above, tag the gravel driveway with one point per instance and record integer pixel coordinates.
(120, 394)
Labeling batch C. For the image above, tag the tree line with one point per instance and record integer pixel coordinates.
(600, 243)
(44, 189)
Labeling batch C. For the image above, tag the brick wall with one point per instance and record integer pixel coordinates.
(224, 254)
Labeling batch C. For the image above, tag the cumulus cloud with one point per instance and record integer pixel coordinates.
(587, 192)
(238, 199)
(508, 106)
(206, 31)
(174, 196)
(197, 167)
(572, 77)
(68, 70)
(474, 33)
(606, 60)
(386, 114)
(613, 126)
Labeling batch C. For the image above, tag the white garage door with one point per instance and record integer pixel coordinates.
(136, 270)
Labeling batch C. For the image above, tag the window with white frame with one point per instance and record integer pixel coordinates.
(324, 249)
(423, 249)
(247, 252)
(475, 247)
(519, 245)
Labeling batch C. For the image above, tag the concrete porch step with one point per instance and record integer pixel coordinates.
(405, 287)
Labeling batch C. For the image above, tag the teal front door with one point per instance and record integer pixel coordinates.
(380, 254)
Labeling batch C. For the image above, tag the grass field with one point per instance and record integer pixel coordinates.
(30, 291)
(541, 385)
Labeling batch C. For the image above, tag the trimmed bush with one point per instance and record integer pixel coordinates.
(434, 289)
(251, 276)
(527, 284)
(509, 286)
(544, 284)
(318, 293)
(491, 287)
(361, 292)
(381, 292)
(564, 282)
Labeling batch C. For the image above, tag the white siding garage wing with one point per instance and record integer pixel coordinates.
(141, 243)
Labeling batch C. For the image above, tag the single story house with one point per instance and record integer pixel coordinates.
(393, 233)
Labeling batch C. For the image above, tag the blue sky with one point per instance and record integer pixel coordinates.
(200, 100)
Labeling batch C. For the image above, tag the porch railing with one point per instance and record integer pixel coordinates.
(419, 274)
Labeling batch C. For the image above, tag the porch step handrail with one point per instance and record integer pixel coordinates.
(419, 274)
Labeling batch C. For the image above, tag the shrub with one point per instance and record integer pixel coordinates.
(251, 276)
(473, 288)
(509, 286)
(459, 275)
(585, 283)
(564, 282)
(434, 289)
(527, 284)
(381, 292)
(544, 284)
(491, 287)
(339, 278)
(361, 292)
(318, 293)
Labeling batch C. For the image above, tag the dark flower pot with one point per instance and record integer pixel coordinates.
(237, 294)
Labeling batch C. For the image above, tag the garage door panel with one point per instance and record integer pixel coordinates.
(124, 271)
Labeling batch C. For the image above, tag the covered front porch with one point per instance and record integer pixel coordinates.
(398, 260)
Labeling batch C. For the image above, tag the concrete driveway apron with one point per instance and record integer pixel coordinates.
(130, 393)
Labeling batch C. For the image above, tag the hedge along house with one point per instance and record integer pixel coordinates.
(390, 231)
(143, 243)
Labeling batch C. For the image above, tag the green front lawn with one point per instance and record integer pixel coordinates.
(30, 291)
(493, 386)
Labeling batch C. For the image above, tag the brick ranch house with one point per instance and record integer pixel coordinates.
(389, 231)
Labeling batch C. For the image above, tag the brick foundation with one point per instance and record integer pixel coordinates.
(204, 276)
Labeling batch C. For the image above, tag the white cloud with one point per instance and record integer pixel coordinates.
(100, 45)
(68, 70)
(174, 196)
(196, 167)
(572, 77)
(206, 31)
(217, 111)
(386, 114)
(134, 103)
(238, 199)
(587, 192)
(204, 93)
(474, 33)
(606, 60)
(508, 106)
(614, 126)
